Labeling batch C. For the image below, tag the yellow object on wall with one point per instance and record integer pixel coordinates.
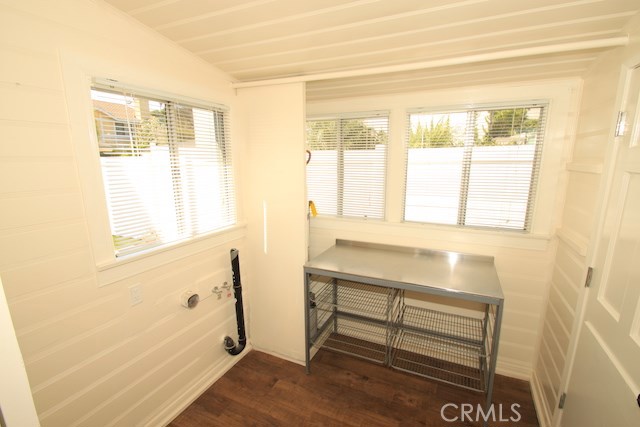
(312, 208)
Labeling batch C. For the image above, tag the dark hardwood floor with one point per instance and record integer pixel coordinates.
(263, 390)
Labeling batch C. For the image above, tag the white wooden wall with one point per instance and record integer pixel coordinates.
(93, 359)
(274, 200)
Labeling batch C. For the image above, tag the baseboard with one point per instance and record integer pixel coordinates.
(181, 402)
(280, 356)
(514, 369)
(507, 367)
(544, 415)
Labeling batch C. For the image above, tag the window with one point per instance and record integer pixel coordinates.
(346, 172)
(475, 168)
(166, 168)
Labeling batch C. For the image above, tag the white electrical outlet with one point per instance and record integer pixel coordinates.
(135, 294)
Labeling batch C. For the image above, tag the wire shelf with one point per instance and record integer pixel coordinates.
(439, 323)
(442, 346)
(357, 338)
(356, 298)
(318, 283)
(442, 359)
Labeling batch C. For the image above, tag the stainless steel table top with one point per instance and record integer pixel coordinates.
(471, 277)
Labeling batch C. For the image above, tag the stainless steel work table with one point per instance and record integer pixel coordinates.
(355, 304)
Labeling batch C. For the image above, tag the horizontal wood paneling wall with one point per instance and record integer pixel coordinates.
(93, 359)
(585, 173)
(566, 283)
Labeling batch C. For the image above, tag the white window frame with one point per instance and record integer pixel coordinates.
(340, 167)
(181, 195)
(467, 161)
(109, 269)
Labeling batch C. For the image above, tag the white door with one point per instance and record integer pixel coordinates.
(605, 381)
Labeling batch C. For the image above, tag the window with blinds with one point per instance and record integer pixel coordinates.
(346, 172)
(476, 168)
(166, 168)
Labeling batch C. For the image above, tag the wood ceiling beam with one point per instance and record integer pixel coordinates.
(610, 42)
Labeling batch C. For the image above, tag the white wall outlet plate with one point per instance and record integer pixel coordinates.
(135, 294)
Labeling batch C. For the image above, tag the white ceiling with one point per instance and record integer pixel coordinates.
(268, 39)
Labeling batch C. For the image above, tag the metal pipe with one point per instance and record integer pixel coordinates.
(229, 345)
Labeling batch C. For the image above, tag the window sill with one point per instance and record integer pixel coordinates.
(432, 232)
(130, 265)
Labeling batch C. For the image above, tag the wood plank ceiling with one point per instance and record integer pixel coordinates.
(267, 39)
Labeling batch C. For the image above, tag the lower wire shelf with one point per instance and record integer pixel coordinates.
(367, 340)
(440, 359)
(443, 346)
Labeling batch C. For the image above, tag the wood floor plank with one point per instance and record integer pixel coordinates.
(263, 390)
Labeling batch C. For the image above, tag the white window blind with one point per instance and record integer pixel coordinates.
(346, 173)
(166, 168)
(476, 168)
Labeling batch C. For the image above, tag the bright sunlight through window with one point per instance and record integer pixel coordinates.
(166, 168)
(476, 168)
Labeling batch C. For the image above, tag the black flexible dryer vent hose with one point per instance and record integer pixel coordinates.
(229, 344)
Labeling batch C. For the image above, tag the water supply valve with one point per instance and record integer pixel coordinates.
(227, 287)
